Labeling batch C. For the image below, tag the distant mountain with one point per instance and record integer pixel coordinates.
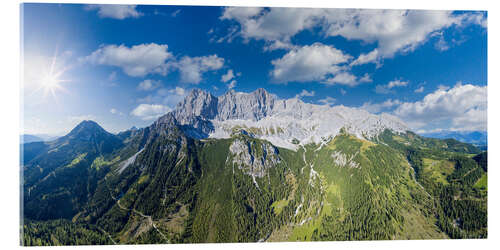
(27, 138)
(479, 138)
(250, 167)
(56, 173)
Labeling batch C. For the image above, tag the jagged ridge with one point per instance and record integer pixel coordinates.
(284, 122)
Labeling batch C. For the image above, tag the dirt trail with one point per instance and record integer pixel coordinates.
(109, 236)
(148, 217)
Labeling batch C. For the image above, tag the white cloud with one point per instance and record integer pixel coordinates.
(228, 76)
(315, 62)
(163, 96)
(419, 90)
(115, 112)
(463, 107)
(365, 78)
(275, 26)
(396, 83)
(382, 89)
(115, 11)
(343, 92)
(138, 60)
(150, 111)
(370, 57)
(385, 89)
(392, 30)
(192, 68)
(328, 101)
(379, 107)
(144, 59)
(443, 87)
(232, 84)
(305, 93)
(178, 91)
(149, 84)
(441, 44)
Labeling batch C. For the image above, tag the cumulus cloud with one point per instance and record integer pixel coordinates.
(231, 85)
(379, 107)
(192, 68)
(168, 97)
(150, 111)
(228, 76)
(178, 91)
(327, 101)
(346, 78)
(141, 60)
(305, 93)
(159, 103)
(396, 83)
(392, 30)
(315, 62)
(441, 44)
(419, 90)
(370, 57)
(138, 60)
(385, 89)
(114, 11)
(149, 84)
(463, 107)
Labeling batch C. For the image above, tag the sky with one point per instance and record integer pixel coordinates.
(126, 65)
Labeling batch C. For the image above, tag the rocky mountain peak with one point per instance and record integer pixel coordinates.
(86, 128)
(197, 103)
(279, 121)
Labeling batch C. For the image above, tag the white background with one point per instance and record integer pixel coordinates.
(10, 104)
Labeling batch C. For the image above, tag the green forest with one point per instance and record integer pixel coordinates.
(242, 189)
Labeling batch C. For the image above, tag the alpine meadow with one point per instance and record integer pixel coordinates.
(160, 124)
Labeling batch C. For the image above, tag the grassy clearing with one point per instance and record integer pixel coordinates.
(77, 159)
(278, 206)
(438, 169)
(482, 183)
(100, 161)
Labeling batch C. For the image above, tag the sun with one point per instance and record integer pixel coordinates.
(50, 81)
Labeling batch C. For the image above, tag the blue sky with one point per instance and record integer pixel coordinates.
(124, 66)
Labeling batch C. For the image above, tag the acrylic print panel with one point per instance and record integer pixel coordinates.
(187, 124)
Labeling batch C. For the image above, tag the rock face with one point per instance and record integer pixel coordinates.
(284, 122)
(252, 159)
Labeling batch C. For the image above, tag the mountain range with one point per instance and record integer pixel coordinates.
(250, 167)
(478, 138)
(27, 138)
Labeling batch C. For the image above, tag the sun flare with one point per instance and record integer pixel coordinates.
(50, 81)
